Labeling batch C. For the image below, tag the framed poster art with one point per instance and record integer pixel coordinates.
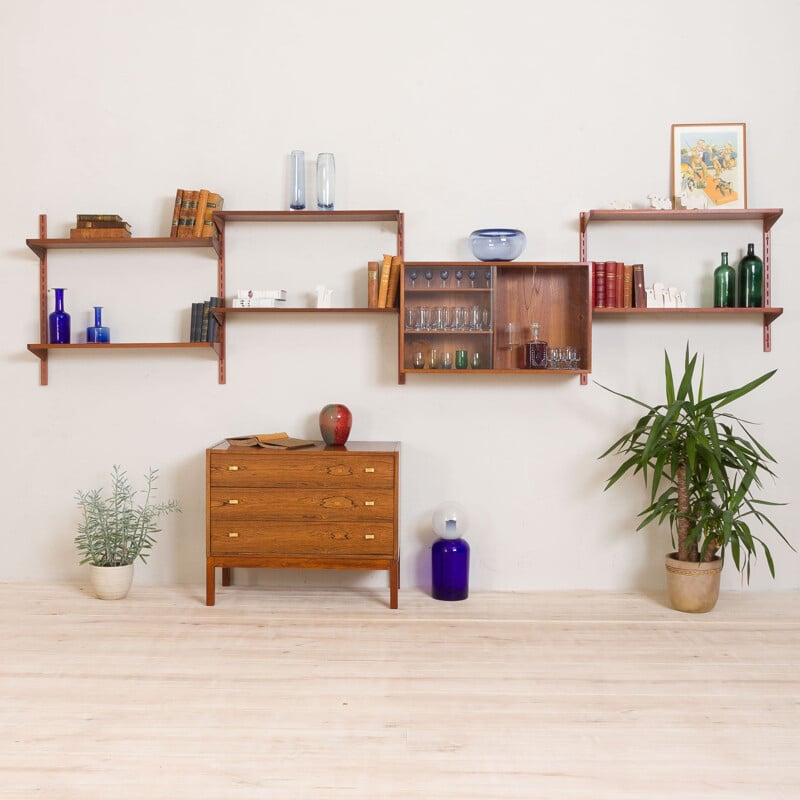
(709, 166)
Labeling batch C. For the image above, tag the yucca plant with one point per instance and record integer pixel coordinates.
(702, 465)
(115, 529)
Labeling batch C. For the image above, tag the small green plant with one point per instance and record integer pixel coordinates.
(115, 529)
(705, 462)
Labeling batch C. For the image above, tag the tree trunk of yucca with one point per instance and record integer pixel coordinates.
(686, 551)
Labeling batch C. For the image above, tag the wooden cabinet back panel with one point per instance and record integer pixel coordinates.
(294, 470)
(254, 538)
(232, 503)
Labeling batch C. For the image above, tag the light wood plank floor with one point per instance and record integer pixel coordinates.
(329, 694)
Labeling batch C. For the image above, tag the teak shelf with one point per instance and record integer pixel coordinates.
(767, 216)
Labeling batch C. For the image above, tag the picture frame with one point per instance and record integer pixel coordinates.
(709, 166)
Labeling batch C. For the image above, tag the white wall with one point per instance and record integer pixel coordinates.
(462, 115)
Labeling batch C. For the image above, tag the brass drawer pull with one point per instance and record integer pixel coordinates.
(369, 502)
(369, 469)
(369, 535)
(233, 534)
(232, 502)
(233, 468)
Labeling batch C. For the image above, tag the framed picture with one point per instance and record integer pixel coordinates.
(709, 166)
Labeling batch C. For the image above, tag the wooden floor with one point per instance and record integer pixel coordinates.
(329, 694)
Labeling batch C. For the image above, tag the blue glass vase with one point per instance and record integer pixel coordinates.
(97, 332)
(59, 321)
(450, 562)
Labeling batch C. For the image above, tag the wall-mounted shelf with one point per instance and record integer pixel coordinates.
(43, 245)
(766, 216)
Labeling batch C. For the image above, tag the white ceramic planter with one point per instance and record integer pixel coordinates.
(111, 583)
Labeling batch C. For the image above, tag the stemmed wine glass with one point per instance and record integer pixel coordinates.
(459, 276)
(472, 275)
(429, 276)
(488, 276)
(413, 276)
(444, 275)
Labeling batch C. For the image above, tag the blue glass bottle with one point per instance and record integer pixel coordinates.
(97, 332)
(450, 561)
(59, 321)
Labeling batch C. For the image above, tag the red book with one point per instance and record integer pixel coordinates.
(599, 284)
(611, 284)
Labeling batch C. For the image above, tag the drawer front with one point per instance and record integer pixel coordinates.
(252, 538)
(310, 470)
(236, 502)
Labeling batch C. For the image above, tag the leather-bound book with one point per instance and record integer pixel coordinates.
(627, 286)
(200, 212)
(372, 284)
(383, 286)
(394, 282)
(214, 203)
(611, 284)
(176, 213)
(639, 293)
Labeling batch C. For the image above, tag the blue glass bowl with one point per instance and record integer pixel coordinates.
(497, 244)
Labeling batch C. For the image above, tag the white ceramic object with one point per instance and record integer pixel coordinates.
(111, 583)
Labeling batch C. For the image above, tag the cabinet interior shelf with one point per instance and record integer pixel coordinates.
(222, 312)
(769, 314)
(41, 246)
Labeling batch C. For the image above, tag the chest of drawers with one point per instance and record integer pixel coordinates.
(322, 507)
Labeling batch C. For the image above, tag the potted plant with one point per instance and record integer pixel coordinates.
(702, 464)
(116, 530)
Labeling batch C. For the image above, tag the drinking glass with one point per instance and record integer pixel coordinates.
(419, 360)
(447, 360)
(413, 276)
(429, 276)
(488, 278)
(412, 318)
(472, 276)
(553, 357)
(572, 356)
(461, 359)
(433, 360)
(424, 318)
(459, 276)
(444, 275)
(476, 360)
(476, 318)
(326, 181)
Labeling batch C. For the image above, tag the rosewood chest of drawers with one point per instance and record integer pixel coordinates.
(320, 507)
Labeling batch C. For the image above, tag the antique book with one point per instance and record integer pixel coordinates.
(383, 284)
(200, 212)
(102, 223)
(627, 286)
(99, 233)
(176, 213)
(611, 284)
(99, 218)
(214, 203)
(187, 215)
(213, 325)
(278, 440)
(195, 323)
(620, 284)
(394, 282)
(372, 284)
(639, 291)
(599, 283)
(204, 321)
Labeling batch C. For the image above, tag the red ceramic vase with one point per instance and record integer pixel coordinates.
(335, 421)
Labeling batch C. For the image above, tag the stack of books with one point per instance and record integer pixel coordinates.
(383, 282)
(100, 226)
(259, 298)
(618, 285)
(204, 326)
(193, 214)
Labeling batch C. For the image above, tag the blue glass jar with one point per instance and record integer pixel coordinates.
(59, 321)
(450, 562)
(97, 332)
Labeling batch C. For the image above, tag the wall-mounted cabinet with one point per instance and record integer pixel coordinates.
(459, 318)
(766, 216)
(43, 245)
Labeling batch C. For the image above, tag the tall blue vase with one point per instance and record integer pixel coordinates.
(98, 332)
(450, 562)
(59, 321)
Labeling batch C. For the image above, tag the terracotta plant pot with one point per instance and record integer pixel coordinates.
(693, 587)
(111, 583)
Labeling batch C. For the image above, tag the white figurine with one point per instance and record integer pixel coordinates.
(661, 203)
(617, 205)
(651, 297)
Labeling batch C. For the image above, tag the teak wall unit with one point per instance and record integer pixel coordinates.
(767, 216)
(320, 507)
(556, 295)
(43, 245)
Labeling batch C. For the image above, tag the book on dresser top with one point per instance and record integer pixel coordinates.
(270, 440)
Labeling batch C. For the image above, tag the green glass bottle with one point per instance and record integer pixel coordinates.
(751, 280)
(724, 284)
